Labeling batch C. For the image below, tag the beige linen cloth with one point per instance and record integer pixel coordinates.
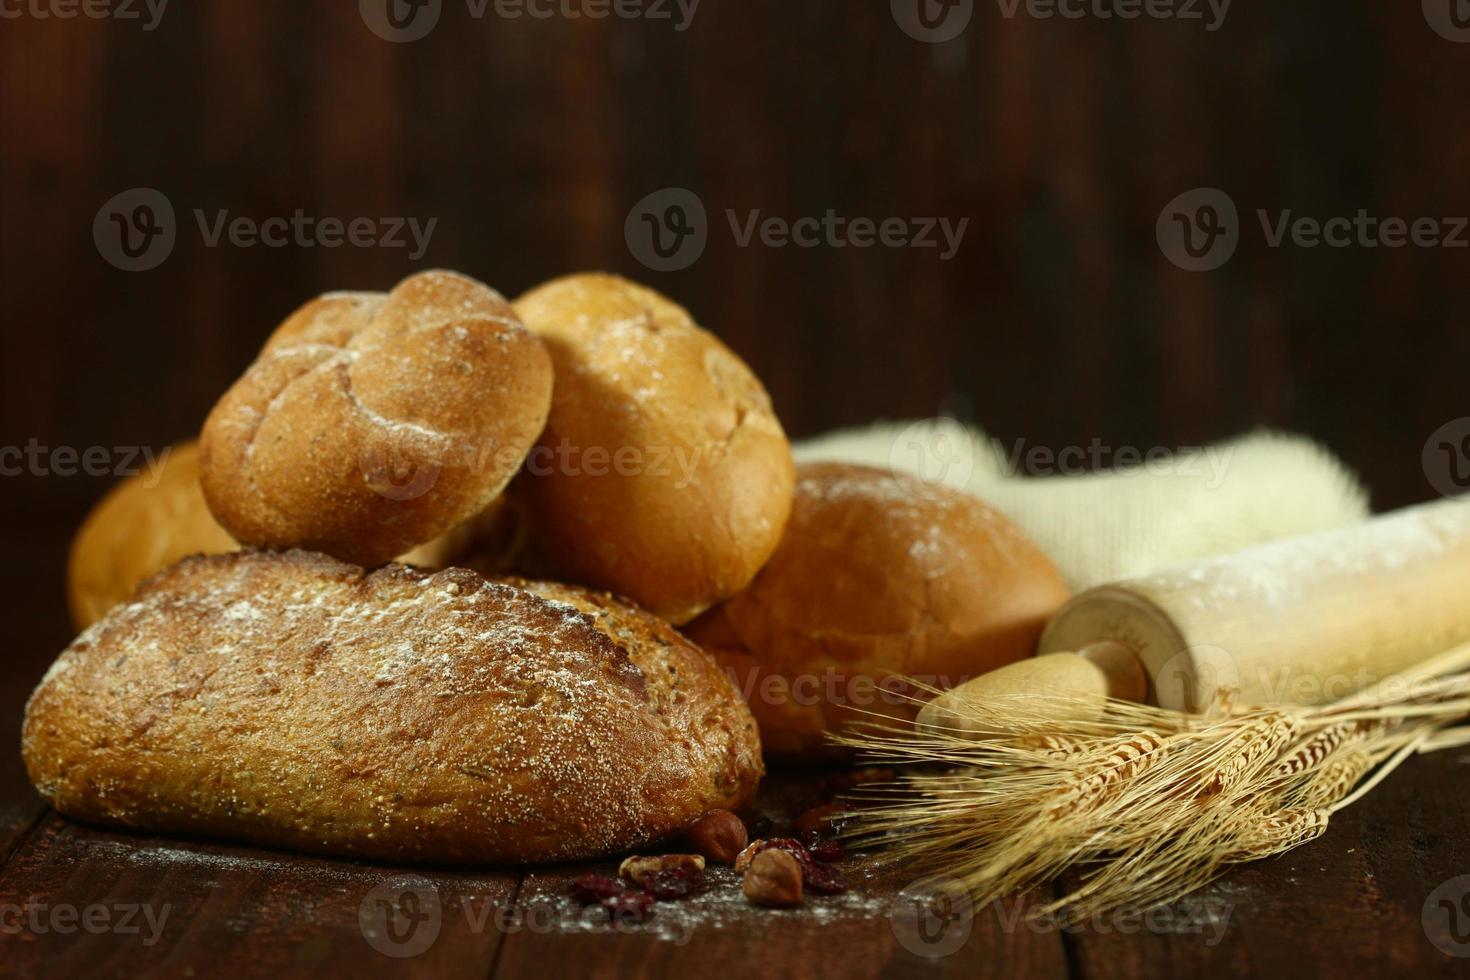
(1099, 527)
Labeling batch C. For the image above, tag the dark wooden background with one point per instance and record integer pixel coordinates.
(1059, 321)
(529, 140)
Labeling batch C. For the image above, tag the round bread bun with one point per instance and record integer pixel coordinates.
(879, 575)
(297, 701)
(144, 524)
(663, 474)
(373, 423)
(158, 515)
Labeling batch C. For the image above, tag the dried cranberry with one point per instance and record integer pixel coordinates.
(824, 879)
(629, 906)
(591, 887)
(797, 848)
(828, 851)
(668, 885)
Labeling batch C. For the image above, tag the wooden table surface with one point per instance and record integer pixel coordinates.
(79, 901)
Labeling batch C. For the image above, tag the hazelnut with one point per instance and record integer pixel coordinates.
(743, 859)
(639, 869)
(719, 835)
(773, 880)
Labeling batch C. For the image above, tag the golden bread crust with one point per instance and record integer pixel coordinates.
(153, 519)
(298, 701)
(879, 574)
(663, 474)
(372, 423)
(145, 523)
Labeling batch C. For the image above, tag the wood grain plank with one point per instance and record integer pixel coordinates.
(861, 934)
(82, 901)
(1347, 904)
(872, 930)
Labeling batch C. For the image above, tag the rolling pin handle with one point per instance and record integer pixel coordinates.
(1126, 678)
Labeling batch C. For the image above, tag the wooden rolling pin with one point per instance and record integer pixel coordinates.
(1305, 620)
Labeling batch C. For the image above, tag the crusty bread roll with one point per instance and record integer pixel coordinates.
(294, 700)
(146, 523)
(154, 518)
(879, 575)
(373, 423)
(663, 474)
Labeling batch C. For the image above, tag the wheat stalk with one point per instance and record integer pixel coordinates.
(1151, 803)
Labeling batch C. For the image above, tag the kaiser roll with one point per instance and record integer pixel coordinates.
(663, 474)
(372, 423)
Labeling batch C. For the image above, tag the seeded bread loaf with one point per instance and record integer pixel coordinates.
(297, 701)
(372, 423)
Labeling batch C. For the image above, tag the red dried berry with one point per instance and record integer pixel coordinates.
(669, 885)
(828, 851)
(591, 887)
(628, 906)
(824, 879)
(795, 847)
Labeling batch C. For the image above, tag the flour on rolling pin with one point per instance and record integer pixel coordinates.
(1305, 620)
